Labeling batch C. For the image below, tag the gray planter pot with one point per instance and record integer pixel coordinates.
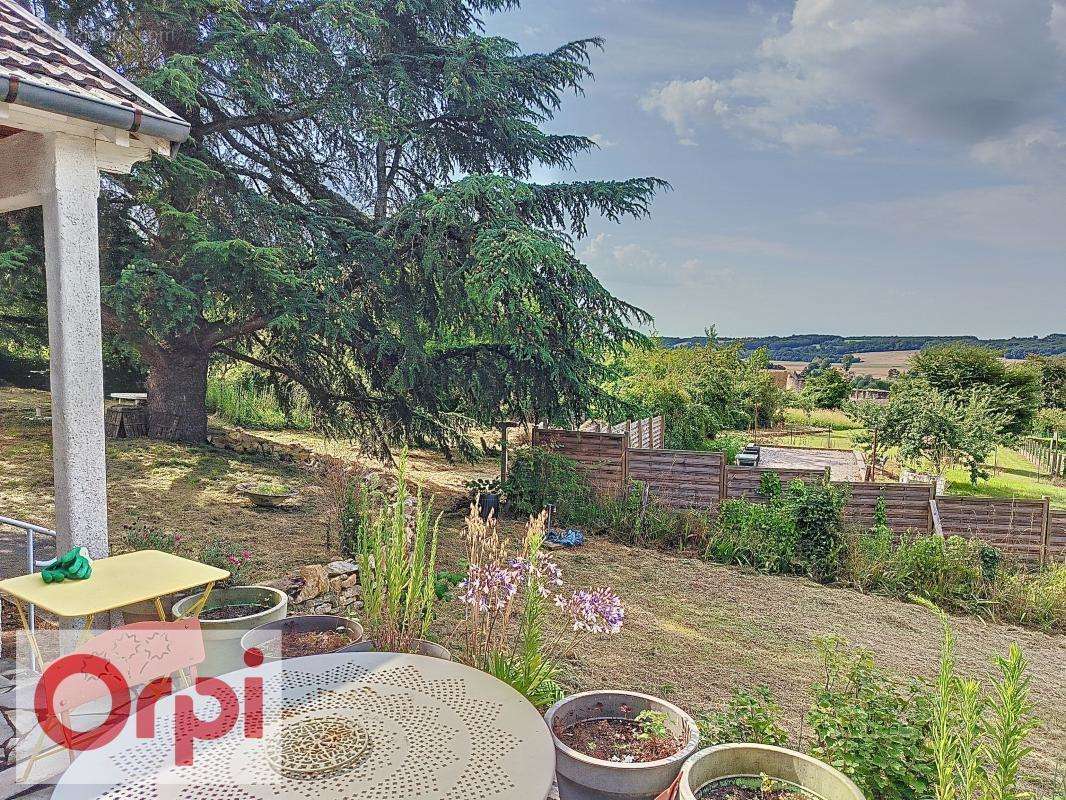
(222, 637)
(582, 777)
(427, 648)
(754, 760)
(262, 636)
(264, 500)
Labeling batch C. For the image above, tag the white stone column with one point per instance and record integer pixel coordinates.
(72, 261)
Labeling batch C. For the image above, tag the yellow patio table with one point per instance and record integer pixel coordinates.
(116, 581)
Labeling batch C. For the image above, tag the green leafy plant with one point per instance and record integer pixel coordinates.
(817, 510)
(979, 740)
(748, 717)
(539, 477)
(270, 489)
(652, 725)
(397, 555)
(870, 727)
(219, 553)
(147, 539)
(480, 486)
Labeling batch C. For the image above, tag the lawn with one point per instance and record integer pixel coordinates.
(1014, 476)
(695, 631)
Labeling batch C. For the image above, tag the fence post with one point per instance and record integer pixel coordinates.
(625, 466)
(723, 487)
(933, 521)
(1045, 540)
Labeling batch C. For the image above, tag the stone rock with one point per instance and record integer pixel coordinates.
(335, 568)
(350, 581)
(324, 608)
(316, 583)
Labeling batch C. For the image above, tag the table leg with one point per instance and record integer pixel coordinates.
(30, 633)
(199, 605)
(159, 610)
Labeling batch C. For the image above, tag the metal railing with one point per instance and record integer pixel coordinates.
(31, 561)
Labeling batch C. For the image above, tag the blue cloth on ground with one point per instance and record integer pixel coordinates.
(568, 538)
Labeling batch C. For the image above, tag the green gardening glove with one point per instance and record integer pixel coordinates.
(73, 565)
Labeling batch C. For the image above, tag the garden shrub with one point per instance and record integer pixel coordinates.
(870, 727)
(946, 571)
(816, 510)
(1036, 600)
(727, 444)
(759, 535)
(538, 477)
(748, 717)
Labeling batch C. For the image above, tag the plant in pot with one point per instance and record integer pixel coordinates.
(266, 494)
(611, 745)
(507, 598)
(231, 610)
(745, 771)
(397, 541)
(486, 493)
(307, 635)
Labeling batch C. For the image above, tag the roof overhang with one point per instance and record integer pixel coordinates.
(21, 92)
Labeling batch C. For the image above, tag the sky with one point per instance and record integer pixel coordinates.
(838, 166)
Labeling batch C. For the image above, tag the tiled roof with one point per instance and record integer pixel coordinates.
(33, 52)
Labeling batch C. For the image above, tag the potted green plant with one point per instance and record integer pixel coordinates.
(756, 771)
(615, 745)
(397, 539)
(231, 610)
(486, 493)
(266, 494)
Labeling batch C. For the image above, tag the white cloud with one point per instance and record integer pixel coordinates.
(602, 140)
(1037, 151)
(848, 71)
(634, 264)
(1024, 217)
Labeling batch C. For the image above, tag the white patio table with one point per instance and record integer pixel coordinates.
(355, 726)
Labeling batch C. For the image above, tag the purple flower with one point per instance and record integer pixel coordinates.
(595, 611)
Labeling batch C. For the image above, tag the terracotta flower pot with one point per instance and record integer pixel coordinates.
(756, 760)
(583, 777)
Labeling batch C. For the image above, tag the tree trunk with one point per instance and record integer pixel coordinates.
(177, 396)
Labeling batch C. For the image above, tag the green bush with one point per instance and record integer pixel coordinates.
(816, 509)
(870, 727)
(725, 443)
(946, 571)
(756, 535)
(1037, 600)
(749, 717)
(539, 477)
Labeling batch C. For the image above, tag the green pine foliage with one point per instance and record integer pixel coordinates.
(353, 214)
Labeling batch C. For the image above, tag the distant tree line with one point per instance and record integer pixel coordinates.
(807, 347)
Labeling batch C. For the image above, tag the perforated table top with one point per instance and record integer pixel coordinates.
(425, 729)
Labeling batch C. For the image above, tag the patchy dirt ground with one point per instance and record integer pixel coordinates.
(695, 631)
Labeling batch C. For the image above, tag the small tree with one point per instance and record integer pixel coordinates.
(929, 427)
(828, 388)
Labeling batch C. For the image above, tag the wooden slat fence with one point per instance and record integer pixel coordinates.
(601, 456)
(1014, 526)
(906, 504)
(679, 478)
(744, 481)
(1056, 545)
(1028, 530)
(641, 434)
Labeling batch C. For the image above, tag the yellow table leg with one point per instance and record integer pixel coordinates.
(160, 611)
(30, 633)
(198, 606)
